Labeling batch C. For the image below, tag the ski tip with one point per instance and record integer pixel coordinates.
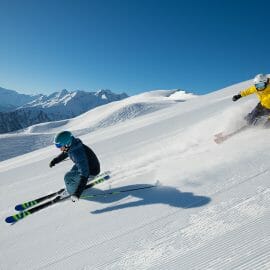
(10, 219)
(15, 218)
(217, 141)
(19, 207)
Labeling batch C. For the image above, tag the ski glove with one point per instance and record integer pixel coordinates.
(58, 159)
(53, 162)
(236, 97)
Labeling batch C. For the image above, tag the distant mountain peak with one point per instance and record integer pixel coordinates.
(57, 106)
(64, 92)
(10, 99)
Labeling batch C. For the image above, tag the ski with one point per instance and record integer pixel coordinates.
(105, 194)
(58, 198)
(26, 205)
(222, 136)
(23, 214)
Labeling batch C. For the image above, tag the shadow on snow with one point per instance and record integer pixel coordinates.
(156, 195)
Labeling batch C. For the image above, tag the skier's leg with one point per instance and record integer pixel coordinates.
(267, 123)
(255, 114)
(72, 180)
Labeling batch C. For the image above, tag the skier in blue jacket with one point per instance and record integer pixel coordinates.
(86, 164)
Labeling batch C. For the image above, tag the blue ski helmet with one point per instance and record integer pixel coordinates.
(63, 138)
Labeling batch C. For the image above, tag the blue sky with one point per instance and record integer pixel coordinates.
(132, 45)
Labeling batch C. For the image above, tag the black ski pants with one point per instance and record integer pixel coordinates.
(259, 111)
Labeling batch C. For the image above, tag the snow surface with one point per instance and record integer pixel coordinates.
(210, 209)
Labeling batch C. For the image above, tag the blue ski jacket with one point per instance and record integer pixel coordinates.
(86, 161)
(78, 155)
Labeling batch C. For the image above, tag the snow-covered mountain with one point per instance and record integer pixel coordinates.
(209, 210)
(19, 119)
(10, 99)
(57, 106)
(65, 104)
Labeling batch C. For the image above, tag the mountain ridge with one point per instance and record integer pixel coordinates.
(57, 106)
(11, 99)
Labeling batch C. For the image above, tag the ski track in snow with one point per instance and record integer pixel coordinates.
(227, 217)
(210, 209)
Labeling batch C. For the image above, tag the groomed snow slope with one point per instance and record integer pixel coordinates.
(209, 211)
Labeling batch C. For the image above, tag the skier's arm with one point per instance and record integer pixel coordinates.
(248, 91)
(58, 159)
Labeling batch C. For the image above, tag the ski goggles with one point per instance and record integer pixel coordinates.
(260, 86)
(58, 145)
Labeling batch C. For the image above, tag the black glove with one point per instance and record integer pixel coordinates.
(81, 186)
(53, 162)
(236, 97)
(58, 159)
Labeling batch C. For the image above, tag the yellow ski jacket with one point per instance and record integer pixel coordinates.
(264, 96)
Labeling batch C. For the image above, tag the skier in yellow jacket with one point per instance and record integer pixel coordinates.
(261, 88)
